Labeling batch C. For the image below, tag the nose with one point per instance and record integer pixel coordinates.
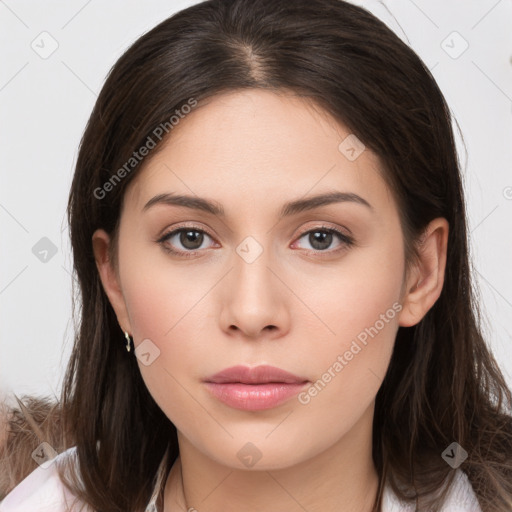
(255, 300)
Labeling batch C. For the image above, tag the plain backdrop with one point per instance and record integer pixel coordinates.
(55, 56)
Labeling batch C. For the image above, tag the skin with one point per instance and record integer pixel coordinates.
(253, 151)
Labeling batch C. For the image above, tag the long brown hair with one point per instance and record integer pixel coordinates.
(442, 385)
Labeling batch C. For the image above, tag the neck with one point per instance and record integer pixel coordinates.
(340, 478)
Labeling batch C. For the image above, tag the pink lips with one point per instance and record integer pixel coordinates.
(253, 389)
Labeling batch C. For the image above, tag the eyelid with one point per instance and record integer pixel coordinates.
(171, 232)
(182, 227)
(325, 226)
(346, 240)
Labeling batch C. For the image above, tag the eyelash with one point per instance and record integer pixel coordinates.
(346, 240)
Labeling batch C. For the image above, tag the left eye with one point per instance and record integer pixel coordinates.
(321, 238)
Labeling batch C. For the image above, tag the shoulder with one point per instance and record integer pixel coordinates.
(460, 498)
(43, 490)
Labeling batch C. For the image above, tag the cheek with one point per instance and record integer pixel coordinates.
(359, 292)
(359, 307)
(160, 297)
(164, 306)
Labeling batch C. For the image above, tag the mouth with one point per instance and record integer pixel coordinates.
(253, 389)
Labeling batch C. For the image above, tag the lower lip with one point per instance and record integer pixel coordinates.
(254, 397)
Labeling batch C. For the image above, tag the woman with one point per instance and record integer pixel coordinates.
(269, 235)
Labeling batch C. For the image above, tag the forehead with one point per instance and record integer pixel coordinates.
(249, 146)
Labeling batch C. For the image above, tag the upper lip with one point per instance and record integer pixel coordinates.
(258, 375)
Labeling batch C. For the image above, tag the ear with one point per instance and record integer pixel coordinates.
(426, 278)
(101, 242)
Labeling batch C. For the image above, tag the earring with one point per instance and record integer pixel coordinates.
(128, 341)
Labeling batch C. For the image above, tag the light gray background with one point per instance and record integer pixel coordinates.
(45, 104)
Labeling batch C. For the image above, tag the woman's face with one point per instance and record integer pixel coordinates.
(262, 283)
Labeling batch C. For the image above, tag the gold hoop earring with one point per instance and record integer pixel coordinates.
(128, 341)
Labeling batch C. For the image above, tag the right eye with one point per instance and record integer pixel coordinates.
(189, 237)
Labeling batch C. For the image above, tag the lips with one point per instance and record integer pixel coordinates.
(259, 375)
(254, 389)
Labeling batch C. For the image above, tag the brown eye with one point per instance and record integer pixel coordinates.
(321, 239)
(191, 239)
(184, 240)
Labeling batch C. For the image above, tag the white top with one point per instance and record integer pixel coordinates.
(42, 490)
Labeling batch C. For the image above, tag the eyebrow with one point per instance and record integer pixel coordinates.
(288, 209)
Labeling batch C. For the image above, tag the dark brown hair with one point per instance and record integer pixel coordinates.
(442, 385)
